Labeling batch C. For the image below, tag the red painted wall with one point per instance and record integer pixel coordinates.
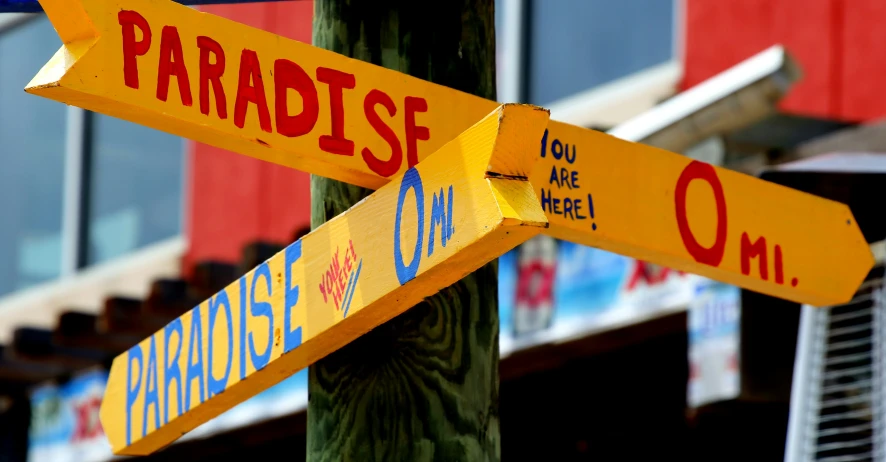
(234, 199)
(839, 44)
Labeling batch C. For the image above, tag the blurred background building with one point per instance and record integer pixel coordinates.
(110, 229)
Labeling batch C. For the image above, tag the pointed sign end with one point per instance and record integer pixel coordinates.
(858, 255)
(124, 435)
(50, 75)
(111, 421)
(866, 256)
(49, 80)
(78, 35)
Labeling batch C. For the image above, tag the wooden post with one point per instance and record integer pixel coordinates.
(423, 386)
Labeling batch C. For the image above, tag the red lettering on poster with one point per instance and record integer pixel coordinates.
(649, 273)
(535, 284)
(87, 424)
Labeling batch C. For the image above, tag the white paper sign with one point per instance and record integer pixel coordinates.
(714, 323)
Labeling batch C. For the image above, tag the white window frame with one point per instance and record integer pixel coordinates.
(605, 105)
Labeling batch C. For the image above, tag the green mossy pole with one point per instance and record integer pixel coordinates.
(424, 386)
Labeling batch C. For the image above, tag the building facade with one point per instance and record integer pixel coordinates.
(95, 208)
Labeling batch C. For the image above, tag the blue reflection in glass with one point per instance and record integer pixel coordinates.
(32, 141)
(136, 195)
(575, 45)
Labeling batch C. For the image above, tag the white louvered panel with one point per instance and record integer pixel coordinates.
(838, 387)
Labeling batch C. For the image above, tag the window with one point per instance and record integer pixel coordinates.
(135, 188)
(593, 63)
(575, 45)
(32, 149)
(123, 189)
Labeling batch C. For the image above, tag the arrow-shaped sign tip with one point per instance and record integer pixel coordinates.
(859, 251)
(78, 35)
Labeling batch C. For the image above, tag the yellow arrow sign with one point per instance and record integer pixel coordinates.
(167, 66)
(420, 233)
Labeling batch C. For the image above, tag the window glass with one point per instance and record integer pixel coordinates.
(136, 194)
(575, 45)
(32, 142)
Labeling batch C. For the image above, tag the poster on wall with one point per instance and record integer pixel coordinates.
(65, 423)
(714, 328)
(551, 291)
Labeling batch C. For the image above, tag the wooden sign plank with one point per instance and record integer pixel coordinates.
(451, 214)
(222, 83)
(33, 6)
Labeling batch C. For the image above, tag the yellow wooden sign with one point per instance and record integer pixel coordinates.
(167, 66)
(428, 228)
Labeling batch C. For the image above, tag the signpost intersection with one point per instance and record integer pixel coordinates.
(454, 212)
(167, 66)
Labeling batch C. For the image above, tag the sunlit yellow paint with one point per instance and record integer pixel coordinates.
(631, 186)
(355, 255)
